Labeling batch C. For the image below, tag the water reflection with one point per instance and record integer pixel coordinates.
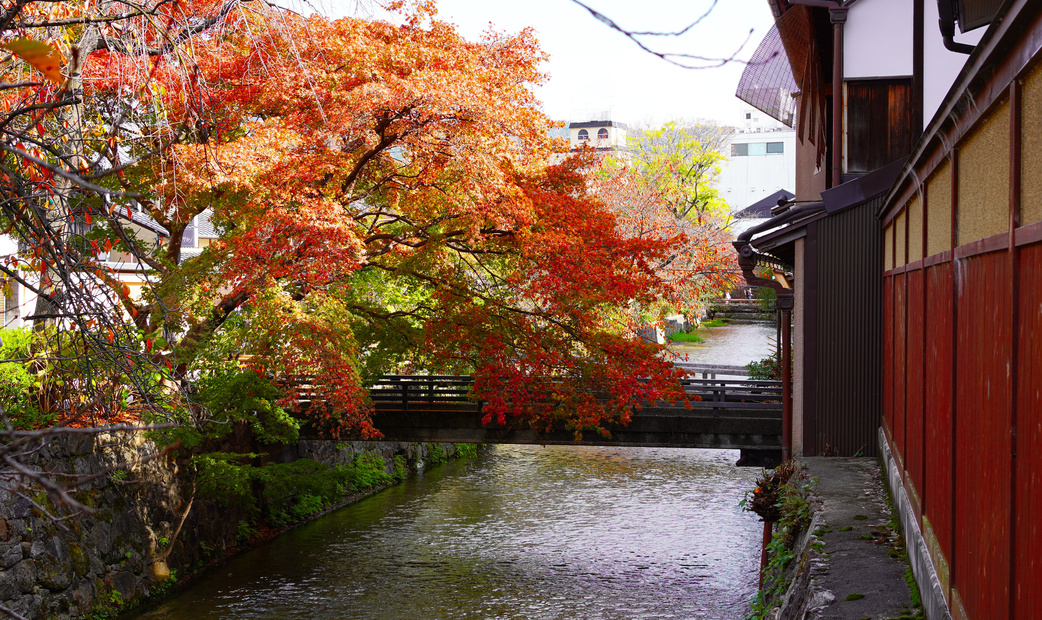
(736, 344)
(520, 532)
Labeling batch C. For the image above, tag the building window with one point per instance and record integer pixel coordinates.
(739, 150)
(879, 123)
(584, 136)
(602, 134)
(748, 115)
(775, 147)
(757, 148)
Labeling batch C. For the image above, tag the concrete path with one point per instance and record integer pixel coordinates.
(854, 568)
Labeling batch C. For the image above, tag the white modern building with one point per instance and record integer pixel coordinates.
(602, 134)
(761, 160)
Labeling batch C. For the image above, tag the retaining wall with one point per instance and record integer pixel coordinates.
(98, 562)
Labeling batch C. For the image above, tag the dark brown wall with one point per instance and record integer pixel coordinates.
(847, 334)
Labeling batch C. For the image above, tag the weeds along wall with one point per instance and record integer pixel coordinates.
(153, 524)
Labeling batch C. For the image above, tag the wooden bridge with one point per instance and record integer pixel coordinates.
(732, 413)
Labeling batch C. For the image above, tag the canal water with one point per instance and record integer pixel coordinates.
(520, 532)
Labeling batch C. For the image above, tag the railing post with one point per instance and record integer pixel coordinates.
(405, 395)
(785, 305)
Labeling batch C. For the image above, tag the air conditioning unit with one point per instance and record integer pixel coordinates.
(969, 14)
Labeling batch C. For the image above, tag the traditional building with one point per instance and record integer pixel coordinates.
(920, 118)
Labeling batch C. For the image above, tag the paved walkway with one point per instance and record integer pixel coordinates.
(859, 572)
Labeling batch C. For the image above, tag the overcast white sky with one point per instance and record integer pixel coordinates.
(594, 68)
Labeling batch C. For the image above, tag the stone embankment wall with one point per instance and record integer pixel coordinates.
(144, 524)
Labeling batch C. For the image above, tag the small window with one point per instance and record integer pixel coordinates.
(602, 134)
(748, 115)
(739, 150)
(775, 147)
(584, 136)
(757, 148)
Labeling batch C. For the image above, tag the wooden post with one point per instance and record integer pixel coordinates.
(785, 304)
(767, 530)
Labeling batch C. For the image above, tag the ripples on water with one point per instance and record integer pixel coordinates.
(735, 344)
(521, 532)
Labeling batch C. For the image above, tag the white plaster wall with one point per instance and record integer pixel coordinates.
(26, 299)
(744, 180)
(616, 136)
(940, 66)
(877, 38)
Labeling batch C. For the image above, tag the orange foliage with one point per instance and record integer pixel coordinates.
(386, 197)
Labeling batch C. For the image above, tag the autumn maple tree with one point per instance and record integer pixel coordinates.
(385, 201)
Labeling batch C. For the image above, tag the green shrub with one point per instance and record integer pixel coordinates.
(220, 477)
(466, 450)
(248, 396)
(767, 369)
(365, 472)
(284, 493)
(436, 454)
(400, 471)
(21, 384)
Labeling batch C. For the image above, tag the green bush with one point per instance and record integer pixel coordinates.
(365, 472)
(767, 369)
(466, 450)
(21, 384)
(400, 471)
(247, 396)
(284, 493)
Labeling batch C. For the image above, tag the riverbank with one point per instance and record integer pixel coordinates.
(851, 563)
(150, 525)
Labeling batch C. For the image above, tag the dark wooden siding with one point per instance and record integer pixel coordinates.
(879, 123)
(848, 331)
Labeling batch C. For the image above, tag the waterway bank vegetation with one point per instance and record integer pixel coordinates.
(783, 498)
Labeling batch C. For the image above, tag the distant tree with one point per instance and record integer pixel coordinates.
(663, 187)
(682, 162)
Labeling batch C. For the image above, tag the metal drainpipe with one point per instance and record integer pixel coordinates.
(786, 302)
(838, 16)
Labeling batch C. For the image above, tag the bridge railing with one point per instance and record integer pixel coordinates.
(429, 389)
(439, 391)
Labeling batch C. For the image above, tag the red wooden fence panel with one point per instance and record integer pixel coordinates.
(981, 561)
(900, 366)
(914, 391)
(1028, 541)
(937, 505)
(888, 356)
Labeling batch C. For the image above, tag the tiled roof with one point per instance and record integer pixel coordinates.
(204, 228)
